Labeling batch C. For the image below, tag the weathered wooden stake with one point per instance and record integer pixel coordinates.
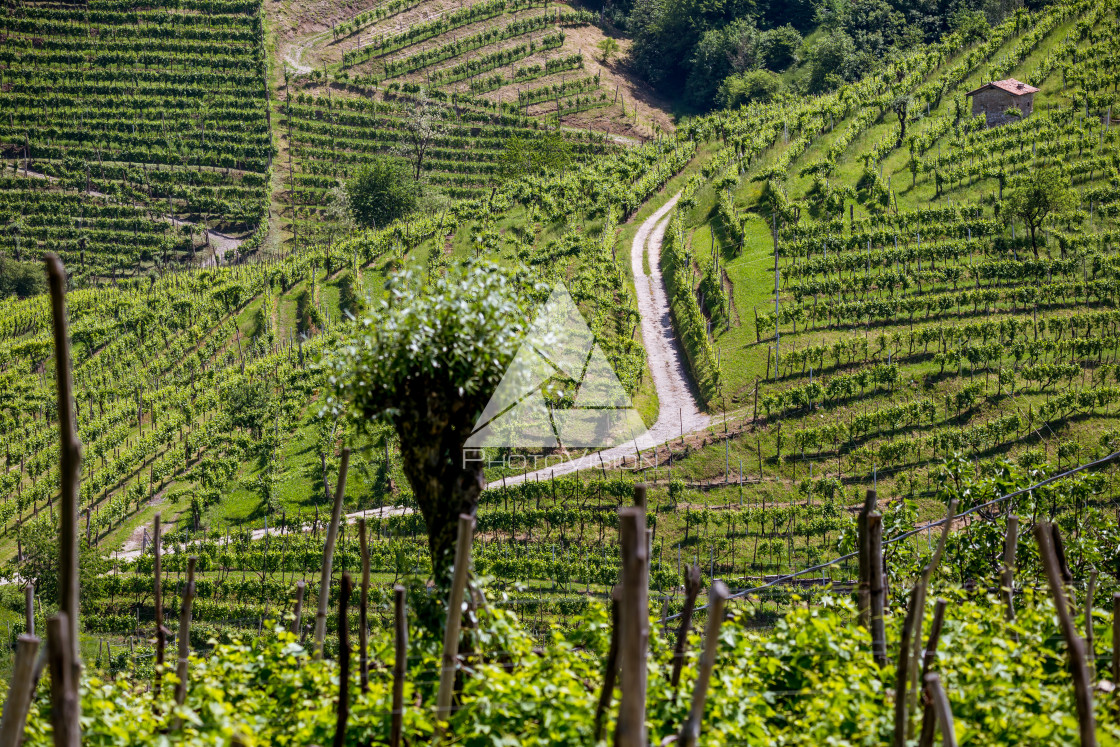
(343, 662)
(328, 556)
(690, 732)
(610, 674)
(363, 610)
(1045, 533)
(902, 669)
(878, 593)
(70, 467)
(1063, 568)
(29, 608)
(19, 692)
(929, 716)
(1090, 634)
(691, 591)
(940, 703)
(1007, 577)
(454, 618)
(157, 592)
(301, 587)
(1115, 638)
(400, 664)
(919, 617)
(633, 629)
(64, 701)
(184, 634)
(864, 590)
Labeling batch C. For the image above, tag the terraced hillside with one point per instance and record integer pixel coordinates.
(130, 130)
(891, 356)
(916, 319)
(442, 86)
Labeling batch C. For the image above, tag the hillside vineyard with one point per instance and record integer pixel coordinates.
(870, 324)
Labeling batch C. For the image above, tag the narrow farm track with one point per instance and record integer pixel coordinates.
(678, 412)
(132, 548)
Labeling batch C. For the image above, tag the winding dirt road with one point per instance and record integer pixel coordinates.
(133, 546)
(678, 411)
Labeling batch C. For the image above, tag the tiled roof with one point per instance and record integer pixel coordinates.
(1010, 85)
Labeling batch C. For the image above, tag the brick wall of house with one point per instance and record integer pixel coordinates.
(993, 102)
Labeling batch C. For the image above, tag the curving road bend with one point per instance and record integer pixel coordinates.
(678, 411)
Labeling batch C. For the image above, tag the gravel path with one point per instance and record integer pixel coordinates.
(678, 411)
(256, 534)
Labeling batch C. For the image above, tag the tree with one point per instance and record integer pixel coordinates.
(721, 52)
(901, 107)
(832, 61)
(382, 191)
(427, 361)
(744, 88)
(423, 123)
(39, 541)
(971, 24)
(339, 213)
(21, 279)
(1037, 195)
(778, 47)
(248, 403)
(608, 48)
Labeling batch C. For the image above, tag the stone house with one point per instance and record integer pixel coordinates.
(995, 98)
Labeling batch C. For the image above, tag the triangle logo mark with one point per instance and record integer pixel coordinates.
(559, 346)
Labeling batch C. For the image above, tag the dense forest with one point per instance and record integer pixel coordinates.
(725, 53)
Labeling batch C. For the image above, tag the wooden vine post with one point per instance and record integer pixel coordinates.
(929, 715)
(864, 590)
(633, 628)
(328, 555)
(182, 669)
(690, 732)
(610, 673)
(297, 617)
(902, 671)
(1115, 638)
(70, 466)
(450, 660)
(157, 596)
(1007, 577)
(64, 690)
(29, 608)
(343, 714)
(878, 593)
(940, 704)
(1045, 533)
(363, 610)
(400, 664)
(20, 691)
(691, 591)
(920, 607)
